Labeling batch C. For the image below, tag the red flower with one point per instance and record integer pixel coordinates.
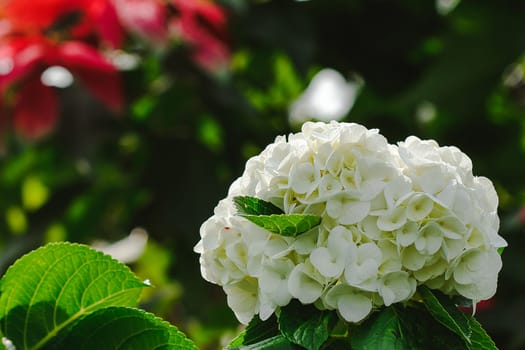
(147, 18)
(199, 23)
(202, 24)
(34, 107)
(78, 19)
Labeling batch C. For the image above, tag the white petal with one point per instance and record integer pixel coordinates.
(419, 207)
(354, 307)
(303, 178)
(327, 262)
(304, 285)
(392, 220)
(407, 234)
(273, 280)
(431, 179)
(306, 242)
(242, 299)
(329, 186)
(412, 259)
(396, 287)
(397, 189)
(353, 212)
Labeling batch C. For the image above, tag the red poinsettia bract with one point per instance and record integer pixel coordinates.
(65, 19)
(38, 34)
(202, 24)
(34, 105)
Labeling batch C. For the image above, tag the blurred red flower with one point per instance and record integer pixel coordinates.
(34, 106)
(202, 24)
(62, 19)
(146, 18)
(39, 34)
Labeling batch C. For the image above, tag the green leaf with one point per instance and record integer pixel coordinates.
(254, 206)
(272, 218)
(420, 331)
(445, 312)
(278, 342)
(255, 332)
(305, 325)
(479, 338)
(403, 328)
(47, 290)
(124, 328)
(286, 224)
(380, 331)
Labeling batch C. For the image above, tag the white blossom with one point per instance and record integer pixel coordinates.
(352, 304)
(392, 217)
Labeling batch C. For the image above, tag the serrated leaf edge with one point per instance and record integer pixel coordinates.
(82, 311)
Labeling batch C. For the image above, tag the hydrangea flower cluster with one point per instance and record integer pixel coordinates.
(392, 217)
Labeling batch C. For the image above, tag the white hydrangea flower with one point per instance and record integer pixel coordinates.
(305, 283)
(352, 304)
(392, 217)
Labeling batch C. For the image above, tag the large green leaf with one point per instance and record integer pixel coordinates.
(420, 331)
(49, 289)
(115, 328)
(306, 325)
(247, 205)
(446, 313)
(286, 224)
(444, 310)
(403, 328)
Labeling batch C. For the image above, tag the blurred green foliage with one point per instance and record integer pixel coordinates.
(457, 77)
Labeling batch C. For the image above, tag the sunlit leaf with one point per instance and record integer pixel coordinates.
(286, 224)
(254, 206)
(49, 289)
(124, 328)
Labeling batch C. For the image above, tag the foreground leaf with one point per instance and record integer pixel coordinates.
(254, 206)
(305, 325)
(286, 224)
(49, 289)
(125, 328)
